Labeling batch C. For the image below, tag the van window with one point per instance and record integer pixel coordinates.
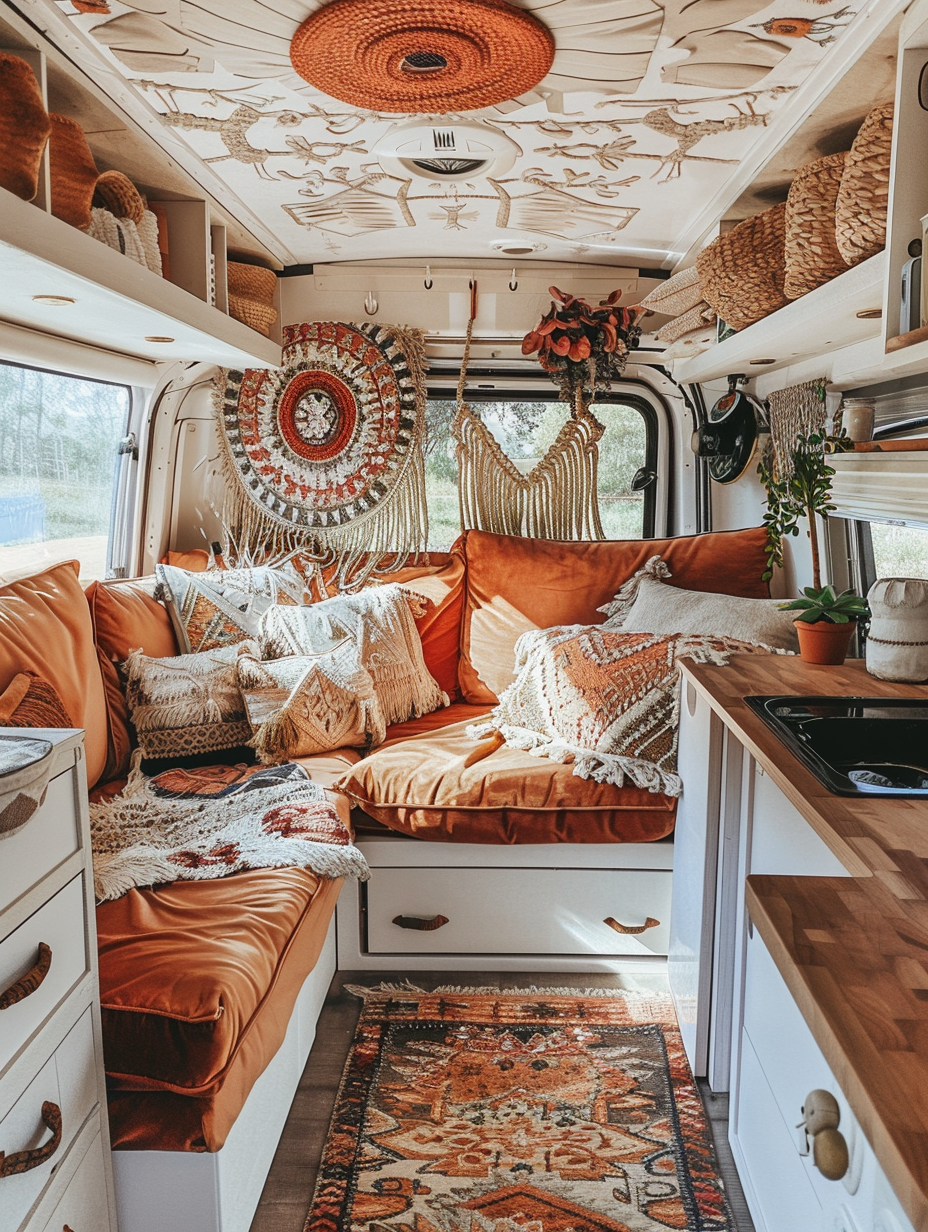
(59, 443)
(525, 429)
(899, 551)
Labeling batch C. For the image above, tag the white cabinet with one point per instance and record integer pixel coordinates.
(53, 1125)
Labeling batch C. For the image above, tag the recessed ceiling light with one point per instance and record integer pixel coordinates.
(763, 361)
(53, 301)
(157, 338)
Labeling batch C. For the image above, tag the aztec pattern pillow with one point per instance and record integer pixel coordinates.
(186, 705)
(307, 704)
(607, 702)
(224, 606)
(382, 621)
(646, 604)
(30, 701)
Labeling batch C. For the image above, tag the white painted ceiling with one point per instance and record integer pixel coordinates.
(650, 110)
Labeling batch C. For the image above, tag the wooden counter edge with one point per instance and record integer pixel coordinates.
(871, 1104)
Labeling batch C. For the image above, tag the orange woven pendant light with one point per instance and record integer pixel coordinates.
(422, 55)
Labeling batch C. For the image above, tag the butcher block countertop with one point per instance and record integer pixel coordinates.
(853, 951)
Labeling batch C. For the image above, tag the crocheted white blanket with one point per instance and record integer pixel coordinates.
(202, 824)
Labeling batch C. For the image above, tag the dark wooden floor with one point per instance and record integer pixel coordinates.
(290, 1184)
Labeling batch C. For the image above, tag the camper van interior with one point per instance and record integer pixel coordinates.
(463, 616)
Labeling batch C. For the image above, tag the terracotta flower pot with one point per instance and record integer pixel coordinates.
(824, 642)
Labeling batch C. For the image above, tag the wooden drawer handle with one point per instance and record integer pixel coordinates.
(31, 980)
(419, 924)
(632, 930)
(25, 1161)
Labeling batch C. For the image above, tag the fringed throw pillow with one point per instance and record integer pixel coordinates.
(382, 621)
(187, 704)
(307, 704)
(224, 606)
(607, 702)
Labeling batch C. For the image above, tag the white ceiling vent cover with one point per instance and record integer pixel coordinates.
(445, 153)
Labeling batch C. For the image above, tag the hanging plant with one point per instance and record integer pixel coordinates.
(803, 491)
(583, 348)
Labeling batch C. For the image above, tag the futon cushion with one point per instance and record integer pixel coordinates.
(191, 971)
(514, 585)
(45, 628)
(444, 786)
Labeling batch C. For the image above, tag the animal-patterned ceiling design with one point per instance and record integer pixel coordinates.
(648, 103)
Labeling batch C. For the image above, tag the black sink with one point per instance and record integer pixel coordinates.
(874, 746)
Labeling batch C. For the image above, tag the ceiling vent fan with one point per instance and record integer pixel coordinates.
(445, 153)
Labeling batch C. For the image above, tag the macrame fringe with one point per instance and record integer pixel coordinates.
(794, 412)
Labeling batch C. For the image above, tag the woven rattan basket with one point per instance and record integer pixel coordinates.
(116, 193)
(677, 295)
(73, 171)
(250, 312)
(742, 273)
(24, 126)
(812, 256)
(252, 282)
(863, 198)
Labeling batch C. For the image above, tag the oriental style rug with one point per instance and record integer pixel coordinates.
(468, 1110)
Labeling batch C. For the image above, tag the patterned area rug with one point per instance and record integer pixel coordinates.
(469, 1110)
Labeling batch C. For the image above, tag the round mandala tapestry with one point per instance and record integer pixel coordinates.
(325, 440)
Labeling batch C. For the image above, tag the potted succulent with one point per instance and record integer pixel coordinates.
(826, 622)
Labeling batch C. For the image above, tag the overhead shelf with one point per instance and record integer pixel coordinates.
(826, 318)
(118, 304)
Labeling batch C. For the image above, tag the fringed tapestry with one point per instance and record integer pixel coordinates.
(798, 411)
(323, 455)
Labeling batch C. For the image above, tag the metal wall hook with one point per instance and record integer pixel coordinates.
(370, 304)
(513, 281)
(427, 282)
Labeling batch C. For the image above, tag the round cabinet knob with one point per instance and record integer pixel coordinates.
(829, 1154)
(820, 1111)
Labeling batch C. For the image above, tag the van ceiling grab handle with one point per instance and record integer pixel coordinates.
(632, 930)
(419, 924)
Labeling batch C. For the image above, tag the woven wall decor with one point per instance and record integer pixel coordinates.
(743, 272)
(798, 411)
(812, 256)
(324, 454)
(863, 198)
(422, 55)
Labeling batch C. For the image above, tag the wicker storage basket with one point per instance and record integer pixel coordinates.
(742, 273)
(74, 173)
(251, 312)
(863, 198)
(24, 126)
(812, 256)
(252, 282)
(677, 295)
(116, 193)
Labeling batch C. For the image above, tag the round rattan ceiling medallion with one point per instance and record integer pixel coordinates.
(422, 55)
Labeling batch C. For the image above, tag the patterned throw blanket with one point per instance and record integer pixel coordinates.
(194, 825)
(607, 702)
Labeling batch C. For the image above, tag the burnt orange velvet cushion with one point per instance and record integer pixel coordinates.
(440, 625)
(45, 628)
(514, 585)
(187, 971)
(125, 618)
(443, 786)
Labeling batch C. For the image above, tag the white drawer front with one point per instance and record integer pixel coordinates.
(58, 925)
(83, 1208)
(50, 836)
(519, 911)
(67, 1080)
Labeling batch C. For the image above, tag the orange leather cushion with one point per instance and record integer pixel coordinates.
(513, 585)
(45, 628)
(443, 786)
(440, 626)
(125, 618)
(188, 970)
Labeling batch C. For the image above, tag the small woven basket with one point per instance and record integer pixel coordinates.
(812, 256)
(252, 281)
(74, 173)
(677, 295)
(742, 273)
(24, 126)
(251, 312)
(116, 192)
(863, 198)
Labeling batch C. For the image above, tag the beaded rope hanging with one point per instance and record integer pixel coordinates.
(798, 411)
(323, 456)
(557, 499)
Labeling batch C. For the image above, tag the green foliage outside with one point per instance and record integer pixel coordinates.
(58, 439)
(525, 431)
(899, 551)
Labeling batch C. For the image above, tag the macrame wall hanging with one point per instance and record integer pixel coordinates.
(557, 499)
(323, 456)
(797, 412)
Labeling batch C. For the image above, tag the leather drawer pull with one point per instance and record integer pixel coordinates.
(421, 926)
(632, 930)
(31, 980)
(25, 1161)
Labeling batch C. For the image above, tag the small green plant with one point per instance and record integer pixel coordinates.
(804, 493)
(825, 603)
